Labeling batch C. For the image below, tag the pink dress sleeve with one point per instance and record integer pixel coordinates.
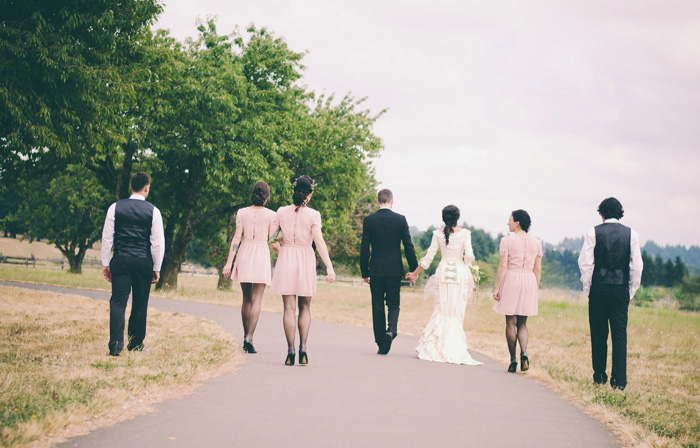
(316, 219)
(503, 251)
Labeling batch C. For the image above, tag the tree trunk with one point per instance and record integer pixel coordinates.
(174, 257)
(123, 181)
(225, 283)
(76, 263)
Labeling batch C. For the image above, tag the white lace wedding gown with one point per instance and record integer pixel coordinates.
(443, 338)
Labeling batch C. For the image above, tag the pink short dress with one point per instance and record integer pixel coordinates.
(519, 289)
(253, 258)
(295, 271)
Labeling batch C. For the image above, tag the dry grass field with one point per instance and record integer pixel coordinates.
(56, 379)
(14, 247)
(661, 406)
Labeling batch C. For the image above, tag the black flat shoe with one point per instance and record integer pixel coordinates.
(513, 367)
(290, 358)
(303, 357)
(524, 363)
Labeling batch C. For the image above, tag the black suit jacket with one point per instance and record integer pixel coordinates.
(380, 253)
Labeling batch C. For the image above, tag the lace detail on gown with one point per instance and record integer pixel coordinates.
(451, 287)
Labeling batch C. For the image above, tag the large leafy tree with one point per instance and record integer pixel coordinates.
(233, 114)
(61, 72)
(67, 210)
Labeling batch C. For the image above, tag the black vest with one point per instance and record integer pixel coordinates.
(612, 254)
(133, 219)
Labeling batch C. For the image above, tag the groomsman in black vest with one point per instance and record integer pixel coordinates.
(611, 272)
(134, 228)
(382, 266)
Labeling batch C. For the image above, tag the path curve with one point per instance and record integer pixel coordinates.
(348, 396)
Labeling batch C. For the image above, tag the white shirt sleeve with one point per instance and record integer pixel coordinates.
(586, 260)
(157, 240)
(636, 264)
(108, 236)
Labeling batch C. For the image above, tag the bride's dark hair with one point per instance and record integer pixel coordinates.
(450, 215)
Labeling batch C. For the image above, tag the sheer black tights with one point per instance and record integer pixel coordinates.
(250, 308)
(516, 332)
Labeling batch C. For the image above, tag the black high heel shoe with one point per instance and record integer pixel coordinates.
(290, 358)
(513, 367)
(248, 347)
(524, 363)
(303, 357)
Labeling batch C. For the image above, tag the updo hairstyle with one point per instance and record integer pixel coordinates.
(522, 217)
(450, 215)
(303, 187)
(261, 193)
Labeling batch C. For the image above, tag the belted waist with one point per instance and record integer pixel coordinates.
(254, 242)
(519, 270)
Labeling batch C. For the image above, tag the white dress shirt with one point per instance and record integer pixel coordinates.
(587, 259)
(157, 236)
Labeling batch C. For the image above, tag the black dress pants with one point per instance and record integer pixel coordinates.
(129, 275)
(608, 304)
(385, 290)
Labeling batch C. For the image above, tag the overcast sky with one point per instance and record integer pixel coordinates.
(548, 106)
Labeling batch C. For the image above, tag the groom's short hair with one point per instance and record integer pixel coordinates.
(139, 181)
(385, 196)
(611, 208)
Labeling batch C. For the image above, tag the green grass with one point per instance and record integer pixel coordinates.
(660, 407)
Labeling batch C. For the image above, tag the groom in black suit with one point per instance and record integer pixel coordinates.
(382, 267)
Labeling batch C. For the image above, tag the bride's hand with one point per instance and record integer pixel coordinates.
(226, 271)
(496, 296)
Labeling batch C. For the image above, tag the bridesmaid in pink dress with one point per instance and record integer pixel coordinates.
(517, 284)
(252, 268)
(295, 271)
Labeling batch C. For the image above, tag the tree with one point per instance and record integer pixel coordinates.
(648, 277)
(10, 202)
(680, 271)
(424, 240)
(67, 210)
(60, 62)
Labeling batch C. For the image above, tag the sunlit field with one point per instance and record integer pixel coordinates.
(660, 407)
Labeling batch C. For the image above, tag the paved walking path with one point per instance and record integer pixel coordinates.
(348, 396)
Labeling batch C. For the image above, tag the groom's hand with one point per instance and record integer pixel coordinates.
(156, 277)
(107, 273)
(366, 280)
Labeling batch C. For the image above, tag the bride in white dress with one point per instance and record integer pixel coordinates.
(452, 285)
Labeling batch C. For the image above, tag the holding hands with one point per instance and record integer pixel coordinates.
(413, 276)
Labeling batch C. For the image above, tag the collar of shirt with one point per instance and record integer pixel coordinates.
(388, 207)
(137, 196)
(611, 220)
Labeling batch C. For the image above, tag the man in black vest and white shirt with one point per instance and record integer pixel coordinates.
(611, 272)
(134, 228)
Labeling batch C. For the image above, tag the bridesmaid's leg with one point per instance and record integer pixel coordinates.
(304, 320)
(511, 335)
(522, 334)
(254, 308)
(289, 320)
(247, 290)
